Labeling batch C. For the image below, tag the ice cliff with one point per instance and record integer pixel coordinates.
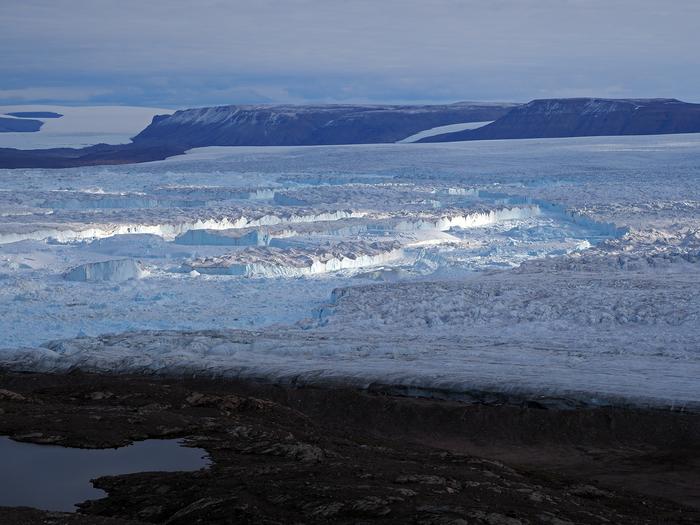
(114, 270)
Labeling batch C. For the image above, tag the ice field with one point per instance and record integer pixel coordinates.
(80, 126)
(561, 268)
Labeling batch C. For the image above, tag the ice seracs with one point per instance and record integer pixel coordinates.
(297, 262)
(439, 130)
(231, 237)
(168, 224)
(114, 270)
(565, 268)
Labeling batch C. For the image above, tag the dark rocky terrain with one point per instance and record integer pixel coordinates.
(35, 114)
(170, 135)
(581, 117)
(98, 155)
(23, 125)
(313, 455)
(308, 125)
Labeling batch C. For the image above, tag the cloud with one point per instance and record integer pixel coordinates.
(280, 50)
(51, 94)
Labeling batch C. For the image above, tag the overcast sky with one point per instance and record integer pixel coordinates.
(174, 53)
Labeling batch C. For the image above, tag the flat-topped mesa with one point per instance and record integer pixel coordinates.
(287, 125)
(580, 117)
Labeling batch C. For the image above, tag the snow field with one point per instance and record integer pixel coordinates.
(80, 126)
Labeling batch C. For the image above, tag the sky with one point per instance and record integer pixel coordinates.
(185, 53)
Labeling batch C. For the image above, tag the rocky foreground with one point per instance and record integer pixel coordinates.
(312, 455)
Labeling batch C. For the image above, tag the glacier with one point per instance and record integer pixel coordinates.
(558, 268)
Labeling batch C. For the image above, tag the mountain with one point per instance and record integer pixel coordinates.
(169, 135)
(580, 117)
(288, 125)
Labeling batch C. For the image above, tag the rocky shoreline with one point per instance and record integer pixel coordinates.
(285, 454)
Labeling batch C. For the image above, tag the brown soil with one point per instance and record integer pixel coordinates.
(334, 455)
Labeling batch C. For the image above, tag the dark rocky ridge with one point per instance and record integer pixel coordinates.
(581, 117)
(308, 125)
(23, 125)
(170, 135)
(35, 114)
(98, 155)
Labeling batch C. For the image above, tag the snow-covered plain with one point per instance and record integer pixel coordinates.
(564, 268)
(80, 126)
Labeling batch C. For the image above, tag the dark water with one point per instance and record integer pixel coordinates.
(56, 478)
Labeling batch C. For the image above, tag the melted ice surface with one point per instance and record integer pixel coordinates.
(560, 266)
(56, 478)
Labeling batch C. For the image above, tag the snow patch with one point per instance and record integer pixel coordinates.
(440, 130)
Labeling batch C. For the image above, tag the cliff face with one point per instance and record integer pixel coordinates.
(307, 125)
(580, 117)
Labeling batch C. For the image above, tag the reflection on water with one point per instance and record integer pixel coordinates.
(56, 478)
